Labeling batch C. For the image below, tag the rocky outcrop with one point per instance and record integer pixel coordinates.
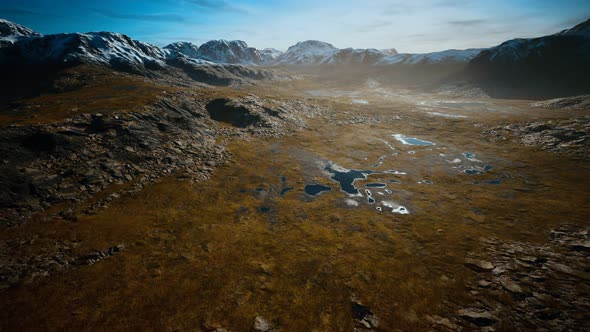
(568, 136)
(569, 103)
(227, 111)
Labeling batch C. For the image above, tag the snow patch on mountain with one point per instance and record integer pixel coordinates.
(389, 51)
(234, 52)
(310, 52)
(186, 48)
(106, 48)
(11, 29)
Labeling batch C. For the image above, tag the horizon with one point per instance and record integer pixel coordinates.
(454, 24)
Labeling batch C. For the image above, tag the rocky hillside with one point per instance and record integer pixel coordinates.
(545, 67)
(566, 136)
(73, 160)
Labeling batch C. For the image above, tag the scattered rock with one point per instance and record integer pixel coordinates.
(98, 256)
(478, 265)
(262, 325)
(580, 246)
(555, 272)
(484, 283)
(479, 318)
(568, 136)
(363, 317)
(445, 322)
(511, 286)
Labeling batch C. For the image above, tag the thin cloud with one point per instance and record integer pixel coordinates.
(400, 8)
(141, 17)
(21, 12)
(373, 26)
(452, 3)
(466, 23)
(18, 11)
(217, 5)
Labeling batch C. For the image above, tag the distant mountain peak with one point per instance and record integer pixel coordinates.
(270, 55)
(314, 44)
(232, 51)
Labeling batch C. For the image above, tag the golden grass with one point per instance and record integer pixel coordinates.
(104, 92)
(203, 255)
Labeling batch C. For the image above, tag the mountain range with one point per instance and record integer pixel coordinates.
(117, 49)
(555, 65)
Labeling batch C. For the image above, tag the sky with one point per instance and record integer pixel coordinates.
(408, 26)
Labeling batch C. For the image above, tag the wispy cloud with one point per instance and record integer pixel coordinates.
(141, 17)
(373, 26)
(25, 12)
(466, 23)
(217, 5)
(452, 3)
(18, 11)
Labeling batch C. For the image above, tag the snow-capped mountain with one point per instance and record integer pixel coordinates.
(115, 49)
(443, 57)
(559, 61)
(186, 48)
(234, 51)
(310, 52)
(102, 48)
(24, 51)
(313, 52)
(11, 29)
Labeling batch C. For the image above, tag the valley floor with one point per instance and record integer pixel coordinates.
(496, 237)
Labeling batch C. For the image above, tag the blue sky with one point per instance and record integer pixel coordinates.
(408, 26)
